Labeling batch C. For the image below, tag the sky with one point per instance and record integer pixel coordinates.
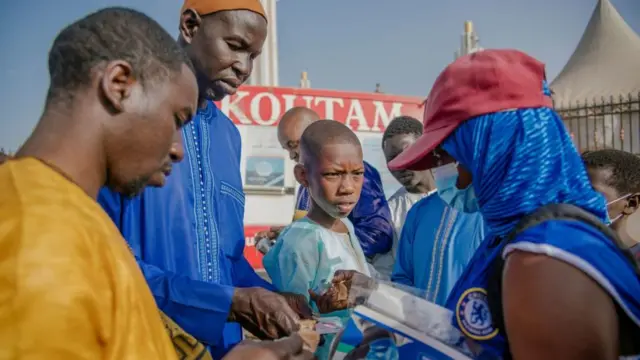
(342, 44)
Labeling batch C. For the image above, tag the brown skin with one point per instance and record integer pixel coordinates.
(559, 321)
(290, 129)
(176, 154)
(290, 348)
(332, 299)
(115, 132)
(416, 182)
(334, 178)
(600, 179)
(222, 47)
(266, 314)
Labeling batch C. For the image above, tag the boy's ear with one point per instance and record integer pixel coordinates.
(301, 175)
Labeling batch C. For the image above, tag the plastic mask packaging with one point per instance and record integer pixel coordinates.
(396, 322)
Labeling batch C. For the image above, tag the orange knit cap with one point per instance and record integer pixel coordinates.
(204, 7)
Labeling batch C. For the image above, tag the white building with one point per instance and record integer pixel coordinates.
(265, 68)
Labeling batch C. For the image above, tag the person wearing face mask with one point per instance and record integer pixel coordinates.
(448, 182)
(616, 175)
(551, 280)
(436, 237)
(310, 250)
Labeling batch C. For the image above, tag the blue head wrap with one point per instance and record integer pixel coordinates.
(522, 160)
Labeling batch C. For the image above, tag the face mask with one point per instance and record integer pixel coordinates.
(610, 221)
(463, 200)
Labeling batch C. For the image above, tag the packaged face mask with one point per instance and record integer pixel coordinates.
(329, 325)
(395, 324)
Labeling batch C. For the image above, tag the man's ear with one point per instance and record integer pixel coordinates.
(190, 23)
(301, 175)
(116, 84)
(632, 204)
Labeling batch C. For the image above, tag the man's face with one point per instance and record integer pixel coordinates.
(289, 138)
(411, 180)
(334, 178)
(600, 180)
(176, 154)
(143, 140)
(222, 47)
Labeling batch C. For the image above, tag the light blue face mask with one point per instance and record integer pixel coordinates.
(609, 220)
(463, 200)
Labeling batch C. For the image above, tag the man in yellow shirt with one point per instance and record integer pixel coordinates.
(120, 90)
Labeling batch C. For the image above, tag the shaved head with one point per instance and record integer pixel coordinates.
(291, 126)
(324, 133)
(332, 168)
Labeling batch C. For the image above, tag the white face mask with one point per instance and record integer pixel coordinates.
(611, 221)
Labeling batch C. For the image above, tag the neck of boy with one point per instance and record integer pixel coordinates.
(319, 216)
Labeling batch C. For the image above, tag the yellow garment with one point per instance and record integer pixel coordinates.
(299, 214)
(69, 287)
(187, 347)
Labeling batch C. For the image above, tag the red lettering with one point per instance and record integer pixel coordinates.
(256, 105)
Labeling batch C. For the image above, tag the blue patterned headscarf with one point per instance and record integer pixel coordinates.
(522, 160)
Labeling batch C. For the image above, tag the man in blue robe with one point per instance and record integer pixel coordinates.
(437, 238)
(188, 236)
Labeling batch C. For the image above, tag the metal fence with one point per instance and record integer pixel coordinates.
(604, 123)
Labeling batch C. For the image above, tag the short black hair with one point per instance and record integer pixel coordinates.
(402, 125)
(325, 132)
(624, 167)
(114, 33)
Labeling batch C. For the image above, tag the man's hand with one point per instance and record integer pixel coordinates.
(338, 296)
(263, 313)
(299, 304)
(290, 348)
(270, 234)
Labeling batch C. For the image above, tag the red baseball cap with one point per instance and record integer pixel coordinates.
(476, 84)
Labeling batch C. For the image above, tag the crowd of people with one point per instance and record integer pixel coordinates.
(121, 216)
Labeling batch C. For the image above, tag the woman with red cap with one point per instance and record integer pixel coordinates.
(551, 281)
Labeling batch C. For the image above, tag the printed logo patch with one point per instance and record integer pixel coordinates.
(473, 316)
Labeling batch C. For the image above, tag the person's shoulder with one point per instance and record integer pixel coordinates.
(46, 235)
(223, 120)
(581, 245)
(563, 233)
(429, 202)
(301, 230)
(397, 198)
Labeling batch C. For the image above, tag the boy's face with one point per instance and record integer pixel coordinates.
(334, 178)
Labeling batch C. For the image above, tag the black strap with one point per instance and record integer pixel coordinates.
(546, 213)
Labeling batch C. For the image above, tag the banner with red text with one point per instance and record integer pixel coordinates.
(258, 105)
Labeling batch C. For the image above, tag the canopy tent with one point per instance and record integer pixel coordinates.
(605, 63)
